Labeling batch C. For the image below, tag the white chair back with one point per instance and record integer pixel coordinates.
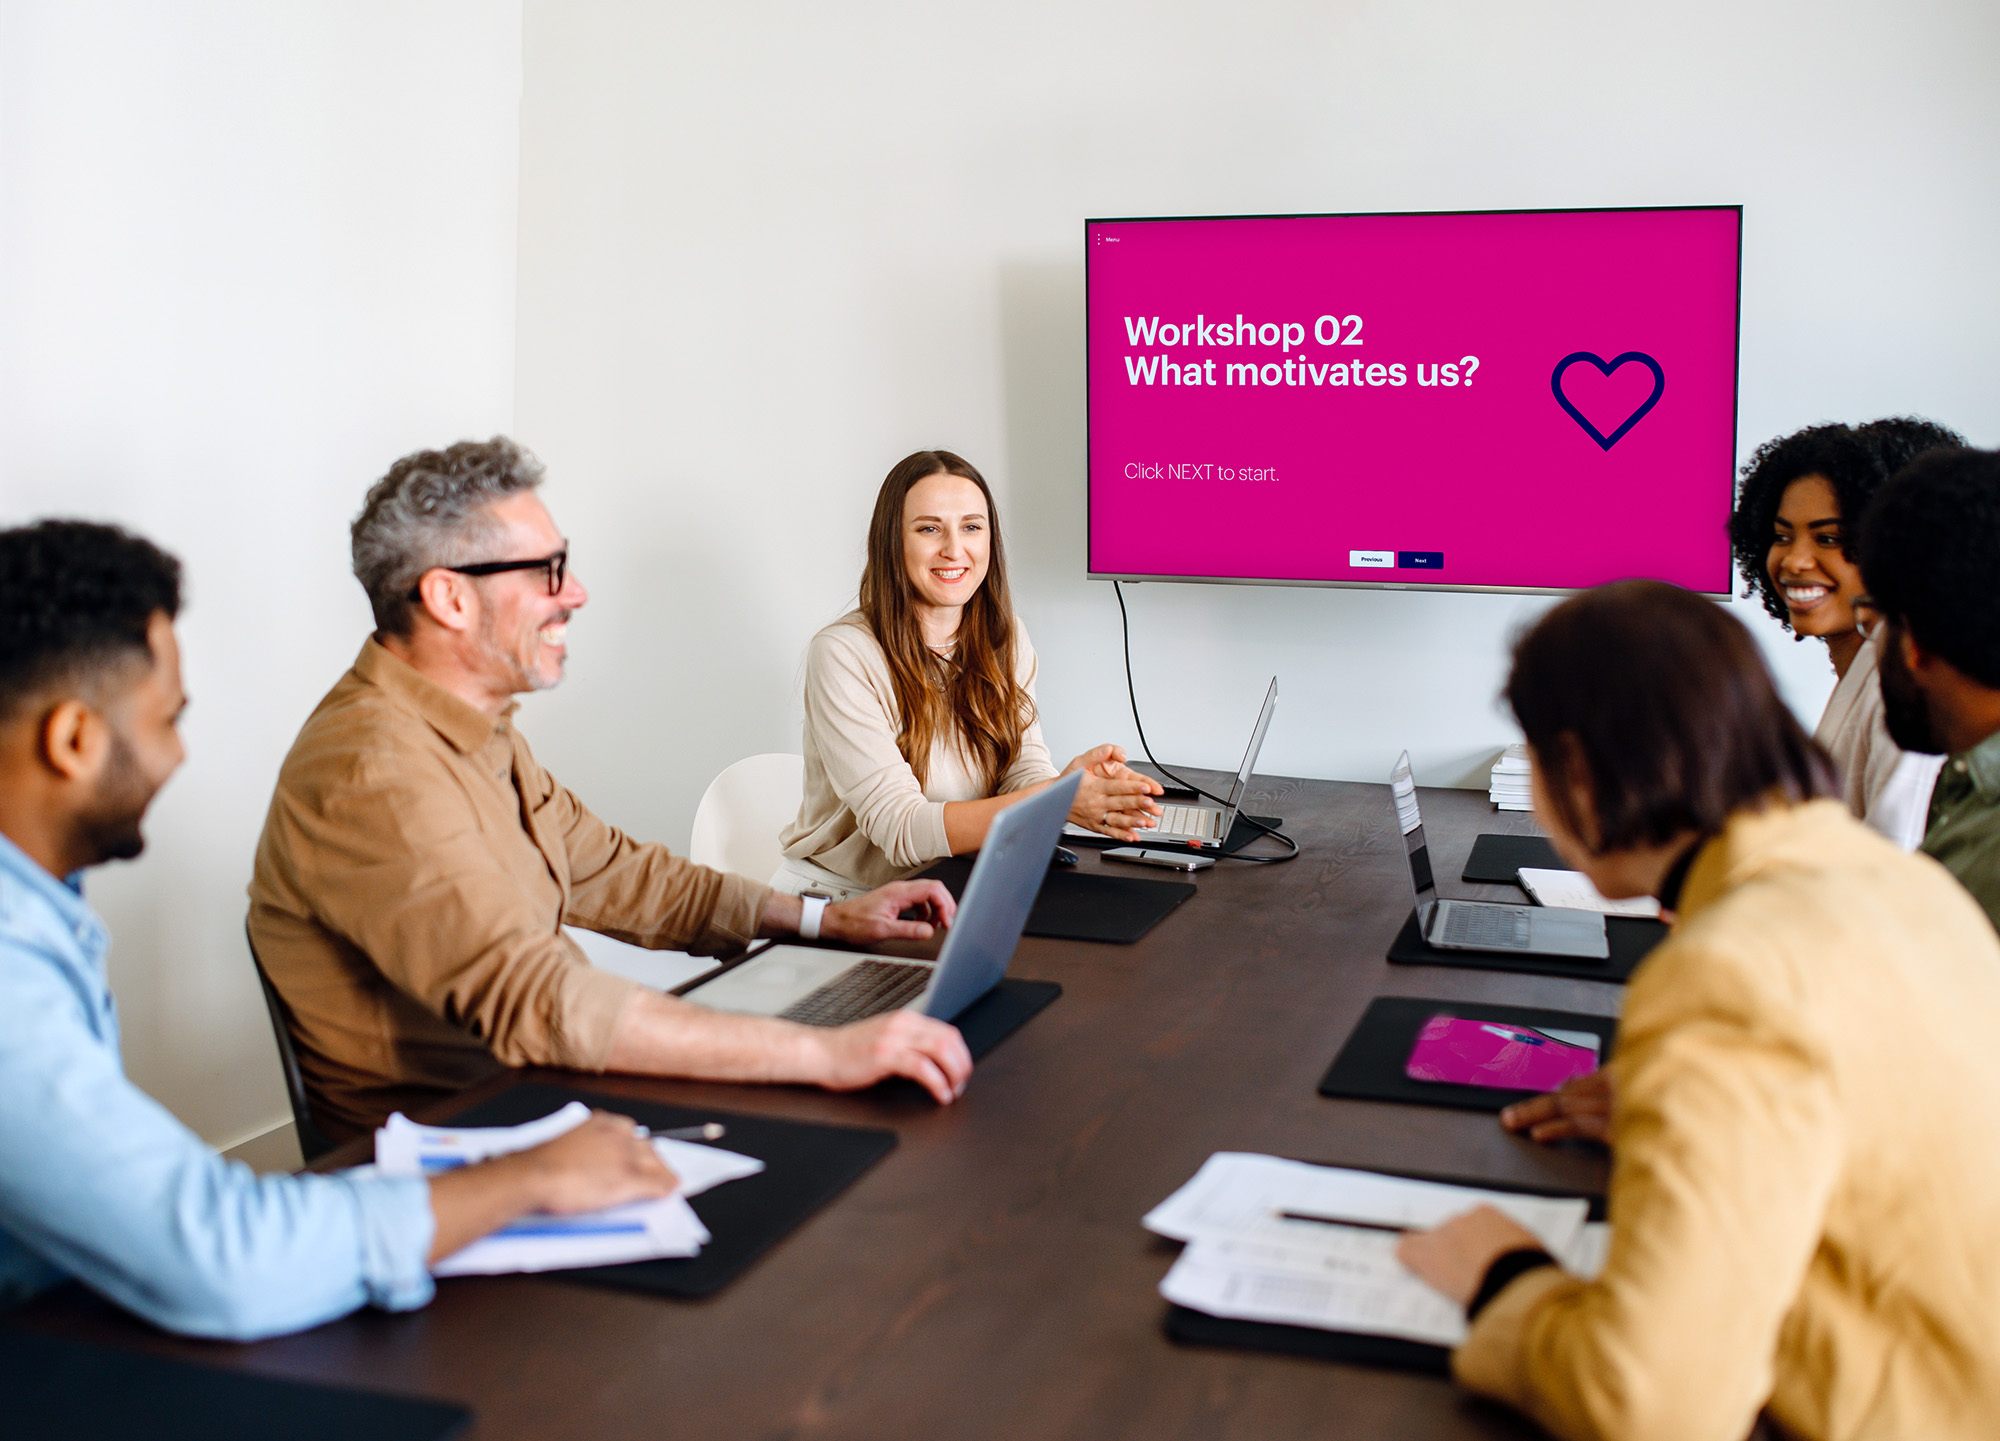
(737, 823)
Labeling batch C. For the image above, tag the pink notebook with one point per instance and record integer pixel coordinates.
(1499, 1055)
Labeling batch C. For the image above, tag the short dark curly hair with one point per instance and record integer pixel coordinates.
(1900, 439)
(1856, 460)
(1928, 546)
(75, 600)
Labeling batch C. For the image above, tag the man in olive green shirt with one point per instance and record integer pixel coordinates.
(1930, 552)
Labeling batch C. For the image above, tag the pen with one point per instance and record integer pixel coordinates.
(706, 1131)
(1341, 1221)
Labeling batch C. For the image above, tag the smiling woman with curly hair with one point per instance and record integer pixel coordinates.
(1793, 535)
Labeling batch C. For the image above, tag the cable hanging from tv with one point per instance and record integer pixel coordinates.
(1132, 694)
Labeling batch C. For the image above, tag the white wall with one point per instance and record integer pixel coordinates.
(249, 254)
(767, 249)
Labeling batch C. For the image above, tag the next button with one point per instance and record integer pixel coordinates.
(1419, 560)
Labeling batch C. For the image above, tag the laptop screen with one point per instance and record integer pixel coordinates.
(998, 896)
(1256, 744)
(1410, 821)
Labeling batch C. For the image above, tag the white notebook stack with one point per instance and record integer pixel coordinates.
(1509, 788)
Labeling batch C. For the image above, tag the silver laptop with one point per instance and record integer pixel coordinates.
(1203, 823)
(1486, 925)
(831, 988)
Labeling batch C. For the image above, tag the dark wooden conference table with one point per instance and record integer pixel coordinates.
(989, 1278)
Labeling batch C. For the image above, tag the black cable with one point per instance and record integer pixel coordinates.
(1132, 694)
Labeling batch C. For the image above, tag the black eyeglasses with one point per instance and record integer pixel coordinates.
(556, 565)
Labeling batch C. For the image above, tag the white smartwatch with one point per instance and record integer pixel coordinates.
(811, 908)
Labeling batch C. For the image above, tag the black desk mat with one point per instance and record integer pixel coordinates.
(1497, 860)
(1630, 938)
(54, 1386)
(1370, 1064)
(806, 1164)
(1084, 905)
(1002, 1011)
(1198, 1328)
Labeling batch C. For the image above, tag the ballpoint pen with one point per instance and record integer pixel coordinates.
(1342, 1221)
(706, 1131)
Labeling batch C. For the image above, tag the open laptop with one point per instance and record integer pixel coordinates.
(831, 988)
(1204, 824)
(1486, 925)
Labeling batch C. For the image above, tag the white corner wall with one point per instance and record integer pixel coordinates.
(249, 254)
(767, 249)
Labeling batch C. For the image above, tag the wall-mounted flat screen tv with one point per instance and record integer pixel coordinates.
(1533, 400)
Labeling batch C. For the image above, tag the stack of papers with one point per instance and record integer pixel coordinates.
(1508, 788)
(1572, 891)
(641, 1231)
(1249, 1258)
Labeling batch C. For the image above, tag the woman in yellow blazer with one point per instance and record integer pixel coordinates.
(1805, 1116)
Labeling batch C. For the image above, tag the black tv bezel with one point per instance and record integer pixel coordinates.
(1089, 516)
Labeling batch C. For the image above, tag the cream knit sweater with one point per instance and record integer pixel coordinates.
(864, 816)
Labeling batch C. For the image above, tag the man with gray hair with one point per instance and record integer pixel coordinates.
(417, 865)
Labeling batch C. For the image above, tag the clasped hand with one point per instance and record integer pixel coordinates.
(1113, 798)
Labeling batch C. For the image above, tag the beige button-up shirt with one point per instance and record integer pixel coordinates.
(416, 870)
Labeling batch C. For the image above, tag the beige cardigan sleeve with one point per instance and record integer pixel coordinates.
(852, 715)
(1727, 1150)
(852, 718)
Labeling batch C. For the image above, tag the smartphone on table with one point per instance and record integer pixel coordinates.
(1169, 860)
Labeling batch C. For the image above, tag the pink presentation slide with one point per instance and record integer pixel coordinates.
(1533, 399)
(1501, 1057)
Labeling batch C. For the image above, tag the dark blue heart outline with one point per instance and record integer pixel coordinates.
(1606, 367)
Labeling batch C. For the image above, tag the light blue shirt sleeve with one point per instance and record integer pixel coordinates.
(99, 1180)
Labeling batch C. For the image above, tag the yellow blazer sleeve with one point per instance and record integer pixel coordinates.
(1726, 1148)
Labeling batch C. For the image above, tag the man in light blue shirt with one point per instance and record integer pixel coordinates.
(97, 1180)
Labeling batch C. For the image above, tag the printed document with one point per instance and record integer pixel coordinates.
(1246, 1258)
(1572, 891)
(641, 1231)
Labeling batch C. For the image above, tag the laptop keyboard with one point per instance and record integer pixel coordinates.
(1487, 927)
(1202, 821)
(864, 989)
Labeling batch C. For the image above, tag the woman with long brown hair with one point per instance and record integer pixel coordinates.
(920, 704)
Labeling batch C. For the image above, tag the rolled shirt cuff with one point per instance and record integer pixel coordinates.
(738, 913)
(396, 1226)
(1501, 1273)
(592, 1001)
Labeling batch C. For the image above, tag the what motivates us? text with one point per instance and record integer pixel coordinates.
(1286, 336)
